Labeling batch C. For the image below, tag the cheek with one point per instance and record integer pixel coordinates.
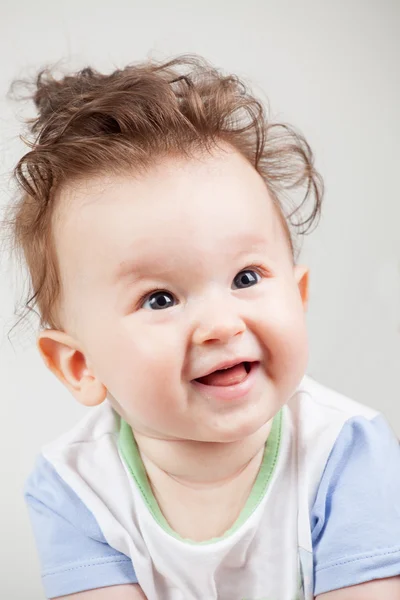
(285, 335)
(139, 362)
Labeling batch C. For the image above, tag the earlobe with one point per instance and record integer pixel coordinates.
(302, 275)
(64, 357)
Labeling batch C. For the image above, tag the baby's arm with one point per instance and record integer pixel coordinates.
(116, 592)
(356, 519)
(75, 557)
(373, 590)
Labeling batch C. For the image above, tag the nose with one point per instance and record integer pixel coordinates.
(219, 322)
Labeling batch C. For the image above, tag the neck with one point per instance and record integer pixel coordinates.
(201, 464)
(201, 487)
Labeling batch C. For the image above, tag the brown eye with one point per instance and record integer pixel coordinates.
(159, 301)
(245, 279)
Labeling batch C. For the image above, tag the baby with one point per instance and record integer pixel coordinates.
(154, 223)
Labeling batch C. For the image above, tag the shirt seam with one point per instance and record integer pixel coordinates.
(339, 410)
(98, 562)
(49, 447)
(360, 558)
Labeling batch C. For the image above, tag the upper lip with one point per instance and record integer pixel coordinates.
(226, 364)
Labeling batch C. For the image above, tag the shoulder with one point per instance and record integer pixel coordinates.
(51, 491)
(99, 423)
(46, 483)
(85, 455)
(314, 419)
(48, 496)
(318, 415)
(74, 553)
(322, 404)
(355, 519)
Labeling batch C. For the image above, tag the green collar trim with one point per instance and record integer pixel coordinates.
(130, 453)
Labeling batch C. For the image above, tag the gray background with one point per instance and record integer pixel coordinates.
(329, 68)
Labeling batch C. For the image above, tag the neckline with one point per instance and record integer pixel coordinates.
(131, 456)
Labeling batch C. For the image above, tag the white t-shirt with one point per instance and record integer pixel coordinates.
(324, 512)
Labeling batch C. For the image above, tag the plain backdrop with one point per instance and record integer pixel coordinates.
(329, 68)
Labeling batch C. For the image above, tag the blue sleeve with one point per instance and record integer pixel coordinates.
(356, 515)
(73, 552)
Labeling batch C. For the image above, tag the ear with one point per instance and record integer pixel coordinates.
(302, 275)
(63, 356)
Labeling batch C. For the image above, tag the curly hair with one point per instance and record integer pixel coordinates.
(90, 123)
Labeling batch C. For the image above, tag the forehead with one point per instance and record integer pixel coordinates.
(181, 210)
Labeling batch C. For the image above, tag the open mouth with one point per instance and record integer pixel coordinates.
(230, 376)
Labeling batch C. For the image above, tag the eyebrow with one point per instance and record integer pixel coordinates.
(134, 268)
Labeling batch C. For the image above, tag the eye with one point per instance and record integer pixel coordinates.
(245, 279)
(159, 300)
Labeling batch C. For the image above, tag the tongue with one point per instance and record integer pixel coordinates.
(225, 377)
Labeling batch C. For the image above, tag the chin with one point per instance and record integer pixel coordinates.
(239, 431)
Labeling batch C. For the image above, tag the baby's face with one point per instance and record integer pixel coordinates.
(172, 276)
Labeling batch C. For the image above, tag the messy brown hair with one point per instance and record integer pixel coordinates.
(89, 123)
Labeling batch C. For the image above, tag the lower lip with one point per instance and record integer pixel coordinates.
(229, 392)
